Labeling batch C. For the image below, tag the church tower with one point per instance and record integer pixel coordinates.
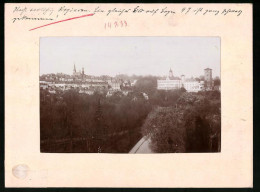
(74, 70)
(82, 70)
(170, 74)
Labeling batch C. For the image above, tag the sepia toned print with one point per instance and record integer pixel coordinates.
(130, 95)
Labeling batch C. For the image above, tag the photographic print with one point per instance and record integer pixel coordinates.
(130, 95)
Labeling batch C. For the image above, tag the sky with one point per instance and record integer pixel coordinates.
(130, 55)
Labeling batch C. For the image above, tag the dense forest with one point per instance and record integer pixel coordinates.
(175, 120)
(108, 124)
(193, 124)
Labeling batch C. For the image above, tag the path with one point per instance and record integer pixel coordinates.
(142, 146)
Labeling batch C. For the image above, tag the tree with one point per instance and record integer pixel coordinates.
(193, 125)
(197, 79)
(183, 90)
(166, 98)
(146, 84)
(197, 131)
(201, 115)
(216, 81)
(100, 128)
(202, 78)
(166, 130)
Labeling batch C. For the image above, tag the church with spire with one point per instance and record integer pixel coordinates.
(170, 73)
(79, 73)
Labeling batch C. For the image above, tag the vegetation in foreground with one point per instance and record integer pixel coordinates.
(175, 120)
(191, 125)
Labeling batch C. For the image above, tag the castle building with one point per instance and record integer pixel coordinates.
(169, 83)
(172, 83)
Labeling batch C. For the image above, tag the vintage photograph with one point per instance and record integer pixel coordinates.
(130, 95)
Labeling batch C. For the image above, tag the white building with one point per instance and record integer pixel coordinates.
(171, 83)
(133, 83)
(193, 86)
(115, 84)
(168, 84)
(109, 94)
(44, 84)
(145, 96)
(86, 91)
(52, 91)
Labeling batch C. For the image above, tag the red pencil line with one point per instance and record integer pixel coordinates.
(62, 21)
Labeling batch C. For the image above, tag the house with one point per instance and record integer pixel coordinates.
(44, 84)
(133, 82)
(145, 96)
(52, 91)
